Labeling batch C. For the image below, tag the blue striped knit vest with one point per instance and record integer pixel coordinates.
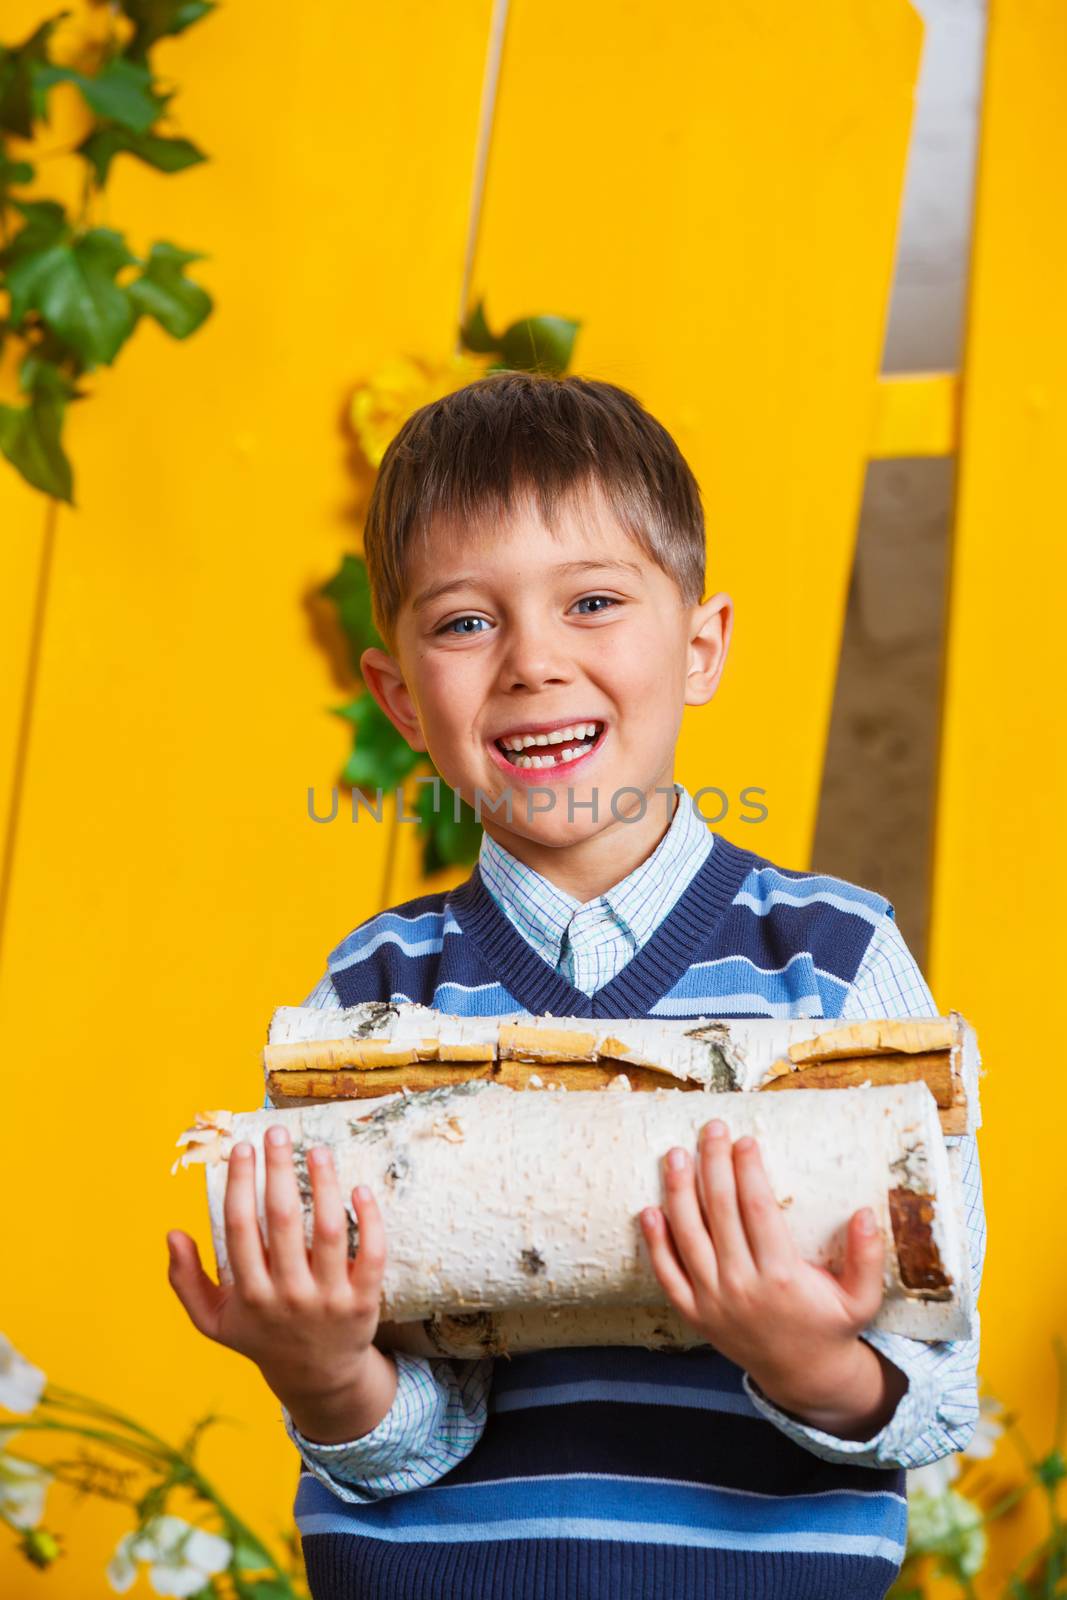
(611, 1473)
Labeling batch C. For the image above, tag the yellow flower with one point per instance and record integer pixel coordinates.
(382, 405)
(86, 35)
(41, 1547)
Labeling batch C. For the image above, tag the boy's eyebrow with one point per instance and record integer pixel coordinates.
(436, 590)
(615, 564)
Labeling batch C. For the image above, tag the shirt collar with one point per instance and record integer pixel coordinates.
(542, 912)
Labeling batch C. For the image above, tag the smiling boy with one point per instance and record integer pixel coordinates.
(536, 555)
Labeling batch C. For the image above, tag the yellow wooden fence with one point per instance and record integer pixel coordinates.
(713, 189)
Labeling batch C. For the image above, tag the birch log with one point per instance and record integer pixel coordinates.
(378, 1048)
(471, 1335)
(494, 1201)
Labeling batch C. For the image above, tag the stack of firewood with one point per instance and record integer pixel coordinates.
(512, 1218)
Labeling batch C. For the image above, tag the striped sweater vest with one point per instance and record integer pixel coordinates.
(612, 1473)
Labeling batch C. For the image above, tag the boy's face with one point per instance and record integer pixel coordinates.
(523, 631)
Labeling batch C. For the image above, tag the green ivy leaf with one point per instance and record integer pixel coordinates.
(30, 439)
(166, 155)
(18, 71)
(163, 291)
(158, 19)
(72, 286)
(382, 758)
(45, 224)
(446, 842)
(349, 589)
(121, 91)
(267, 1589)
(13, 172)
(39, 374)
(475, 333)
(539, 344)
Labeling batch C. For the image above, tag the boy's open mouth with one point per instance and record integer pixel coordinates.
(536, 749)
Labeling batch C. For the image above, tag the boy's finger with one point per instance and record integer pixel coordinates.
(366, 1270)
(198, 1293)
(329, 1238)
(719, 1195)
(860, 1278)
(766, 1229)
(244, 1242)
(284, 1210)
(665, 1263)
(689, 1232)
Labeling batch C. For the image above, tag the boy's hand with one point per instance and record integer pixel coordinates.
(724, 1254)
(306, 1318)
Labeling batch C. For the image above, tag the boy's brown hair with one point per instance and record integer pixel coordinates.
(467, 458)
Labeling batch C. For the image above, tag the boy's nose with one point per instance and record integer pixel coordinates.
(533, 661)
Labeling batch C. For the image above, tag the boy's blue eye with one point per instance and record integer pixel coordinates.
(590, 598)
(448, 626)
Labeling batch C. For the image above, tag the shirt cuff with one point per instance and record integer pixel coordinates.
(389, 1446)
(916, 1410)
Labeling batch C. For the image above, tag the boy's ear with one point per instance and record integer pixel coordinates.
(383, 677)
(709, 640)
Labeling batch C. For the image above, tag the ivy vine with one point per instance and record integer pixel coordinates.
(381, 758)
(76, 291)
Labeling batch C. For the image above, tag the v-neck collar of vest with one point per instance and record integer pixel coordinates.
(681, 939)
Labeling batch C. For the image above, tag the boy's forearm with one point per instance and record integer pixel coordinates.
(852, 1396)
(351, 1410)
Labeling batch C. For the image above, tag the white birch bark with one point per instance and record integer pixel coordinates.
(500, 1201)
(720, 1054)
(473, 1335)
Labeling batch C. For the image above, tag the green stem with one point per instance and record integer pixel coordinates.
(73, 1474)
(1052, 1571)
(26, 712)
(1028, 1563)
(191, 1478)
(70, 1400)
(1006, 1502)
(1059, 1437)
(86, 197)
(115, 1441)
(1020, 1442)
(208, 1492)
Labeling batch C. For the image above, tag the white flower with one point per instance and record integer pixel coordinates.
(20, 1383)
(947, 1525)
(987, 1431)
(23, 1485)
(934, 1479)
(181, 1558)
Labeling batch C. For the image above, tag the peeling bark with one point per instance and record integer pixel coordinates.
(370, 1050)
(506, 1204)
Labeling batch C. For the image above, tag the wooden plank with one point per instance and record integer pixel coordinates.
(715, 189)
(998, 938)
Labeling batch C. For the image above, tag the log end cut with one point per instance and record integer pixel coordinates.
(918, 1258)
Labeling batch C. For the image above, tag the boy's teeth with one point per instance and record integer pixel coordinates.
(559, 736)
(569, 753)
